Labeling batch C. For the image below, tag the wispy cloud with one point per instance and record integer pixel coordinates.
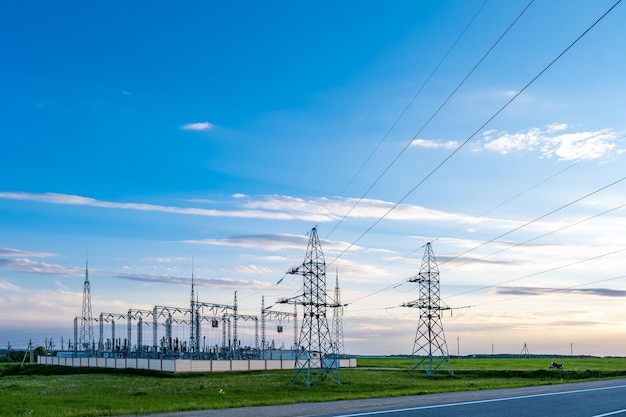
(66, 199)
(273, 207)
(253, 269)
(28, 265)
(16, 253)
(8, 286)
(552, 141)
(271, 242)
(274, 242)
(433, 144)
(201, 282)
(523, 291)
(198, 126)
(165, 260)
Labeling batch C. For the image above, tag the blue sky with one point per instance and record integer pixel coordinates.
(157, 136)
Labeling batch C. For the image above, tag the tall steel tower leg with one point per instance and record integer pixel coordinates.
(430, 350)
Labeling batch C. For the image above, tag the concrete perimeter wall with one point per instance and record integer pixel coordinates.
(180, 365)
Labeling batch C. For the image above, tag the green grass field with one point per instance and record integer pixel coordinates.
(63, 392)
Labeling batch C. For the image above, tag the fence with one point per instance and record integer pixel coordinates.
(180, 365)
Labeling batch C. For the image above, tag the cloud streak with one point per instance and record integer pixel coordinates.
(552, 142)
(222, 283)
(274, 242)
(532, 291)
(27, 265)
(16, 253)
(198, 126)
(433, 144)
(272, 207)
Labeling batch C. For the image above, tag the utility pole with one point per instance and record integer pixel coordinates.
(458, 347)
(525, 351)
(30, 350)
(430, 350)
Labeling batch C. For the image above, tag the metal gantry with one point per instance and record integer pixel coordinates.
(430, 351)
(316, 356)
(163, 322)
(266, 314)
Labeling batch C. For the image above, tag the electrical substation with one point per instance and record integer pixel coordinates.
(214, 332)
(204, 330)
(207, 331)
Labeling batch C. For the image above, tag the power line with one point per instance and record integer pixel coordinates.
(500, 110)
(551, 290)
(511, 231)
(382, 174)
(543, 235)
(535, 220)
(410, 103)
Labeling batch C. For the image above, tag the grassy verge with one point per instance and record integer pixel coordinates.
(71, 392)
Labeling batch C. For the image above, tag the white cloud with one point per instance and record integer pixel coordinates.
(198, 126)
(27, 265)
(164, 259)
(433, 144)
(551, 141)
(8, 286)
(272, 207)
(8, 252)
(253, 269)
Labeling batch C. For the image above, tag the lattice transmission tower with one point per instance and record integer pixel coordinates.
(338, 319)
(430, 350)
(86, 341)
(316, 356)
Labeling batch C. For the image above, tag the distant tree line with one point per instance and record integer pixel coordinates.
(18, 355)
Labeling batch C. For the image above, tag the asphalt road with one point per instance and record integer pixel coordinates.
(585, 399)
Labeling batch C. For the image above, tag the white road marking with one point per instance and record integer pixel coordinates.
(493, 400)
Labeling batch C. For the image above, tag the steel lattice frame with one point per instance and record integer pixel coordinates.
(430, 350)
(86, 340)
(317, 355)
(338, 319)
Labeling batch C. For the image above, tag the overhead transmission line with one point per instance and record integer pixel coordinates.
(410, 103)
(556, 268)
(548, 291)
(399, 283)
(432, 116)
(517, 196)
(533, 221)
(500, 110)
(540, 236)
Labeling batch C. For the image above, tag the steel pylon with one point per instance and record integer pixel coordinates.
(430, 350)
(316, 356)
(338, 319)
(86, 341)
